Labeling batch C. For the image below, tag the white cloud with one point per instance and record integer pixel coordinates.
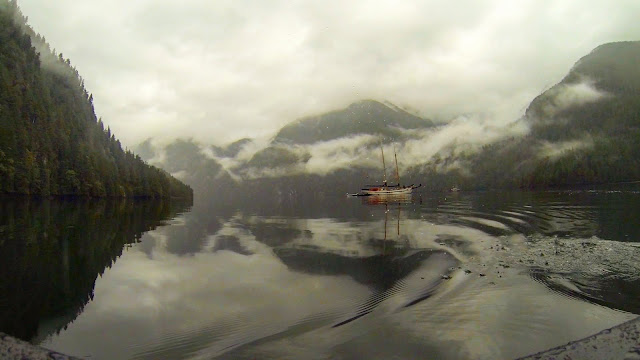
(342, 153)
(568, 95)
(219, 71)
(463, 135)
(556, 150)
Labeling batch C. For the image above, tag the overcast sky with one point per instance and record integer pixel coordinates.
(219, 70)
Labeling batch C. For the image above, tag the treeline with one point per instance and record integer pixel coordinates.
(51, 142)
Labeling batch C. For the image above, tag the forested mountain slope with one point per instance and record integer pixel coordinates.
(51, 142)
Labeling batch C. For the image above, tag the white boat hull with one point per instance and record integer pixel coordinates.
(388, 191)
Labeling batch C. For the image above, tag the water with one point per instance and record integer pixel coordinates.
(449, 276)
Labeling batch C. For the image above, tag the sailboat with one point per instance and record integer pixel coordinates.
(386, 189)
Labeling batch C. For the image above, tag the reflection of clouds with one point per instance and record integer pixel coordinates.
(512, 318)
(236, 290)
(469, 318)
(171, 294)
(355, 238)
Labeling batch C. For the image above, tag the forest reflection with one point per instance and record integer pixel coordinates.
(52, 252)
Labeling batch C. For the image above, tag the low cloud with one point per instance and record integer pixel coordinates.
(565, 96)
(343, 153)
(560, 149)
(463, 136)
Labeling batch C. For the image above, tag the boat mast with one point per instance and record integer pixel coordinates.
(384, 167)
(397, 172)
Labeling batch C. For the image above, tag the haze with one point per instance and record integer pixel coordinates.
(219, 71)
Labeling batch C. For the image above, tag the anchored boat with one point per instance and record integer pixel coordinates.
(386, 189)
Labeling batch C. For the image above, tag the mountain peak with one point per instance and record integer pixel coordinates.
(613, 67)
(608, 70)
(365, 117)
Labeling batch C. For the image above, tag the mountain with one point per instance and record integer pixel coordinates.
(363, 117)
(583, 130)
(51, 142)
(296, 153)
(232, 149)
(186, 160)
(598, 95)
(588, 125)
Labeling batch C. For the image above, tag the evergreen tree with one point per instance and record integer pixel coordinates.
(51, 142)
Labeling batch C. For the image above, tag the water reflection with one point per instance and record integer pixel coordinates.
(378, 259)
(51, 253)
(461, 275)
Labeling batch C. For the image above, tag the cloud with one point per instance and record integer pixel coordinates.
(462, 136)
(560, 149)
(223, 70)
(567, 95)
(211, 281)
(342, 153)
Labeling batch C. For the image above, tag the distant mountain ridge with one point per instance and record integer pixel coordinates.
(288, 152)
(583, 130)
(598, 94)
(363, 117)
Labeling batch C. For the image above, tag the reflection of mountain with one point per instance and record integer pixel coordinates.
(51, 253)
(355, 249)
(379, 271)
(384, 265)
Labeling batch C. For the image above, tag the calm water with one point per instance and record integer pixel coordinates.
(448, 276)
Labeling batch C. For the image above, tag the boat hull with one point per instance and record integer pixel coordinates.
(388, 191)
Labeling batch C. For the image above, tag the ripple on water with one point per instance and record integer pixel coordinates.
(594, 270)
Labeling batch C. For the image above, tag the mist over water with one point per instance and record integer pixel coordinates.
(457, 275)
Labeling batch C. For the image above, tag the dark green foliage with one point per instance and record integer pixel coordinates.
(52, 251)
(51, 142)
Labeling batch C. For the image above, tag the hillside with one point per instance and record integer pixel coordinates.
(51, 142)
(599, 94)
(583, 130)
(363, 117)
(593, 114)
